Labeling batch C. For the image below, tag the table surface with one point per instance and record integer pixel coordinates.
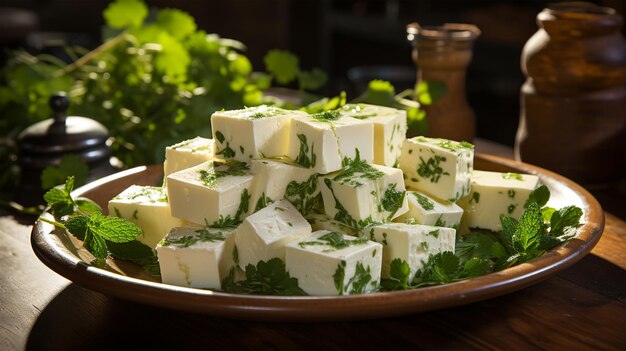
(583, 307)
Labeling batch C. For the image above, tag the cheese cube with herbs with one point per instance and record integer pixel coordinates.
(424, 209)
(332, 263)
(263, 235)
(362, 194)
(187, 154)
(213, 192)
(148, 208)
(196, 257)
(494, 194)
(275, 180)
(412, 243)
(320, 221)
(252, 133)
(439, 167)
(322, 141)
(390, 127)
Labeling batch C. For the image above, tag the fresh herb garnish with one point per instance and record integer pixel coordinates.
(392, 200)
(335, 240)
(233, 221)
(262, 202)
(266, 278)
(356, 168)
(327, 116)
(201, 235)
(343, 216)
(424, 202)
(301, 194)
(509, 176)
(218, 169)
(362, 276)
(340, 276)
(303, 158)
(430, 169)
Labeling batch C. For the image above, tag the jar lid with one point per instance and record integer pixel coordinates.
(62, 134)
(447, 31)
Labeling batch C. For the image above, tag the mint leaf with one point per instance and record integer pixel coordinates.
(282, 64)
(55, 196)
(88, 206)
(564, 219)
(122, 14)
(77, 226)
(540, 196)
(529, 230)
(137, 252)
(475, 267)
(60, 200)
(70, 165)
(95, 244)
(476, 245)
(113, 229)
(312, 80)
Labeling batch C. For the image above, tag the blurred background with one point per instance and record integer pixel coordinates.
(354, 41)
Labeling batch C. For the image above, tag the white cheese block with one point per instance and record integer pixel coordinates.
(324, 269)
(424, 209)
(187, 154)
(439, 167)
(362, 194)
(263, 235)
(390, 126)
(275, 180)
(252, 133)
(196, 257)
(413, 243)
(321, 221)
(148, 208)
(494, 194)
(211, 192)
(321, 142)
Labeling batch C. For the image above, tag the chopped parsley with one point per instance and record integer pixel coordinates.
(327, 116)
(340, 276)
(218, 169)
(301, 194)
(201, 235)
(424, 202)
(392, 200)
(303, 158)
(356, 168)
(334, 239)
(509, 176)
(431, 169)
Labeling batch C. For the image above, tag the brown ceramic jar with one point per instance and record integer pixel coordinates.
(573, 104)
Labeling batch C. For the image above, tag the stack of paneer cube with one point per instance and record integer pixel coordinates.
(326, 193)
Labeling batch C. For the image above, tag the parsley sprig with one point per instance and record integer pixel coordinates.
(266, 278)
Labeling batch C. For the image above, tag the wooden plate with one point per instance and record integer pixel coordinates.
(65, 255)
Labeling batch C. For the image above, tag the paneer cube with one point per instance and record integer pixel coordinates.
(148, 208)
(275, 180)
(390, 126)
(213, 192)
(413, 243)
(263, 235)
(362, 194)
(252, 133)
(187, 154)
(321, 141)
(332, 263)
(439, 167)
(494, 194)
(196, 257)
(427, 210)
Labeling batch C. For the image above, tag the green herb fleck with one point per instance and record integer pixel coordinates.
(335, 240)
(430, 169)
(201, 235)
(327, 116)
(356, 168)
(509, 176)
(475, 197)
(424, 201)
(303, 158)
(511, 208)
(392, 200)
(361, 278)
(511, 193)
(340, 276)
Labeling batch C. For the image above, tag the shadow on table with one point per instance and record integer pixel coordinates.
(562, 311)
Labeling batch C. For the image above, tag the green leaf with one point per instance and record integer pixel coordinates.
(77, 226)
(70, 165)
(95, 244)
(529, 230)
(267, 278)
(282, 64)
(55, 196)
(509, 227)
(567, 217)
(137, 252)
(540, 196)
(476, 267)
(88, 206)
(475, 245)
(379, 92)
(122, 14)
(312, 80)
(399, 276)
(177, 23)
(429, 91)
(547, 213)
(113, 229)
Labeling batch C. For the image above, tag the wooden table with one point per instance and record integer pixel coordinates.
(583, 307)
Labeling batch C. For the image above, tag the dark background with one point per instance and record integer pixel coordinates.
(333, 35)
